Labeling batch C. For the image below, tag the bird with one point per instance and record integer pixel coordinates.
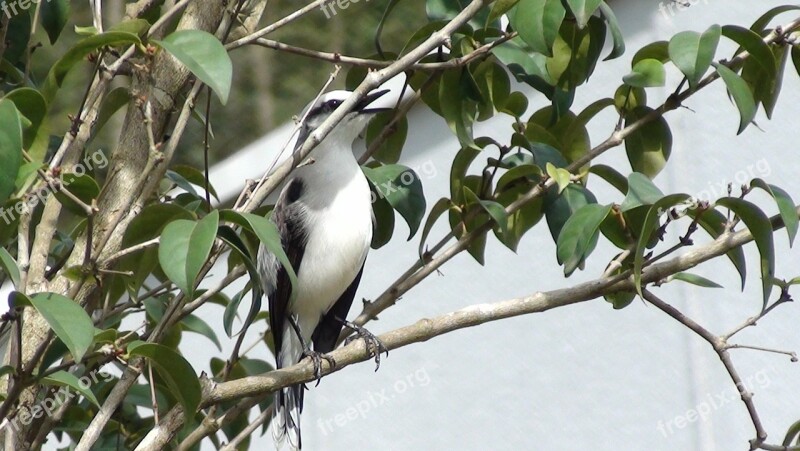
(325, 220)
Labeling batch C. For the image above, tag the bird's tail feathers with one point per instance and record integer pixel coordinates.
(286, 423)
(289, 400)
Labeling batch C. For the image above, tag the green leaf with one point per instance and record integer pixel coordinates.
(627, 98)
(384, 220)
(694, 279)
(448, 9)
(693, 52)
(229, 236)
(758, 49)
(86, 31)
(558, 209)
(499, 8)
(68, 320)
(495, 210)
(618, 47)
(495, 86)
(579, 236)
(456, 107)
(6, 369)
(78, 53)
(9, 267)
(184, 248)
(515, 183)
(267, 234)
(646, 73)
(138, 27)
(402, 188)
(55, 14)
(193, 323)
(526, 66)
(610, 175)
(17, 37)
(65, 379)
(178, 374)
(516, 104)
(583, 9)
(641, 191)
(441, 206)
(761, 23)
(786, 206)
(715, 223)
(767, 93)
(537, 22)
(658, 50)
(791, 433)
(761, 229)
(10, 148)
(203, 54)
(575, 54)
(560, 175)
(83, 187)
(32, 106)
(648, 147)
(114, 100)
(620, 299)
(389, 151)
(195, 177)
(741, 93)
(650, 223)
(796, 58)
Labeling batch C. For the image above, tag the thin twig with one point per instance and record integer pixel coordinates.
(720, 347)
(378, 64)
(792, 355)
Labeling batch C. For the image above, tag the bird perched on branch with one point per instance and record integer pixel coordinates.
(324, 216)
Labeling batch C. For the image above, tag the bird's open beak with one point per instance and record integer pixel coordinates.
(362, 105)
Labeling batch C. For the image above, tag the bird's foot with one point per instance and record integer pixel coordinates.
(317, 358)
(373, 344)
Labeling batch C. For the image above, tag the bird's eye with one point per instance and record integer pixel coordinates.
(332, 104)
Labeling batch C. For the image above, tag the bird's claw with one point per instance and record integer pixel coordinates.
(373, 344)
(317, 358)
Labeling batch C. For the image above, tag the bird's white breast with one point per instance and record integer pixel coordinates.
(336, 250)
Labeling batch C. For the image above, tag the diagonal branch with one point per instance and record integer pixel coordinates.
(423, 267)
(428, 328)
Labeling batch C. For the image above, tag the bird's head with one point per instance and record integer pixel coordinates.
(353, 123)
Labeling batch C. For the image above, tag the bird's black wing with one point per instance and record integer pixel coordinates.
(327, 331)
(287, 217)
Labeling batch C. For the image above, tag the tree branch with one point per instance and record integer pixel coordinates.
(423, 267)
(428, 328)
(379, 64)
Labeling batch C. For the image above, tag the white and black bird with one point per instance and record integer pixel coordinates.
(324, 216)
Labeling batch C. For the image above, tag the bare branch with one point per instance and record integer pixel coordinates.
(378, 64)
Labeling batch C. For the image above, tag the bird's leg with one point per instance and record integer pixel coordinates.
(315, 356)
(373, 344)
